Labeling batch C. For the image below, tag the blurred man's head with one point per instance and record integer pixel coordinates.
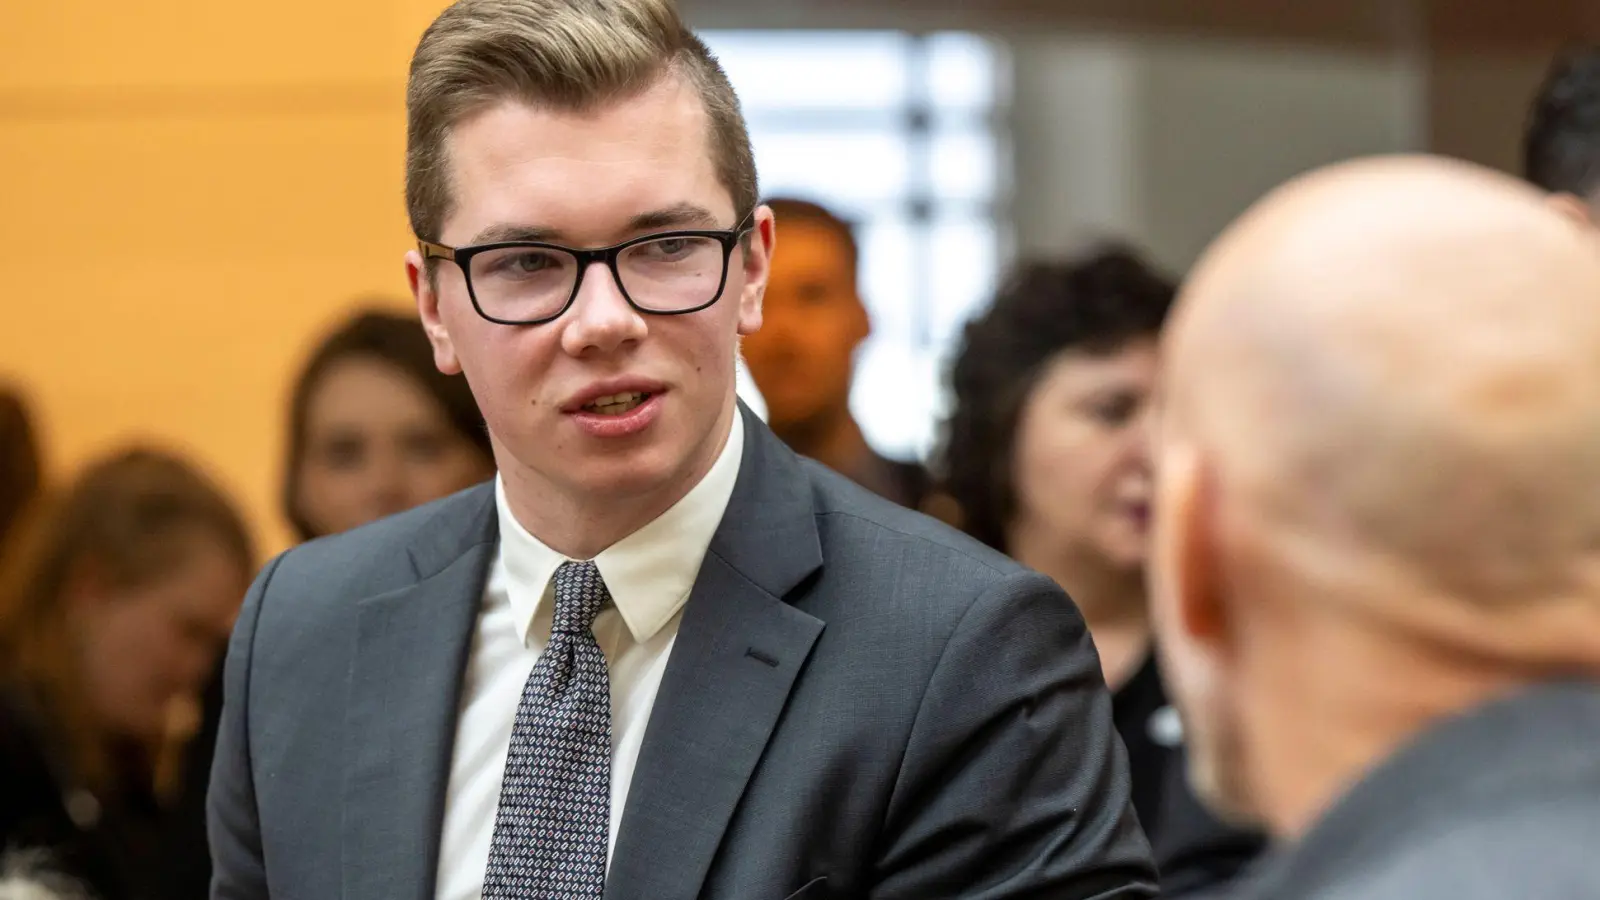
(813, 319)
(1561, 149)
(1377, 451)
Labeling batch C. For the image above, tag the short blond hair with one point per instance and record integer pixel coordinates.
(569, 55)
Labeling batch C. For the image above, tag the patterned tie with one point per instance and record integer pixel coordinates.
(551, 830)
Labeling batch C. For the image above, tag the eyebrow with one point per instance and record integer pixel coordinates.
(680, 215)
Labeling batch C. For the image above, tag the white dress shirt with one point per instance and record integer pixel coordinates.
(649, 574)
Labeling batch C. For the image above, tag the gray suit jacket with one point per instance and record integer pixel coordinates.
(860, 703)
(1499, 804)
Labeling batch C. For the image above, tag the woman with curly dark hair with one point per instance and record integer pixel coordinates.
(1044, 459)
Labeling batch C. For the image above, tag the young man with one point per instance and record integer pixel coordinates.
(1377, 545)
(659, 656)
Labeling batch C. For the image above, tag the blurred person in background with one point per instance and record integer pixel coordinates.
(376, 429)
(803, 358)
(21, 470)
(1376, 554)
(1561, 145)
(114, 609)
(1045, 457)
(29, 875)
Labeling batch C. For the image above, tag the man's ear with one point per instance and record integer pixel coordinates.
(1183, 564)
(425, 288)
(1573, 207)
(757, 253)
(861, 322)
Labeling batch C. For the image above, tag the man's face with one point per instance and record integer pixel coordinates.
(813, 322)
(638, 167)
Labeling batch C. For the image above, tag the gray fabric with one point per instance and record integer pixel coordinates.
(553, 823)
(860, 703)
(1503, 802)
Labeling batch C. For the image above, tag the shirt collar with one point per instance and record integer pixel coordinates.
(649, 573)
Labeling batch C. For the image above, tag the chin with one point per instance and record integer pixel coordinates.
(1124, 555)
(639, 470)
(619, 478)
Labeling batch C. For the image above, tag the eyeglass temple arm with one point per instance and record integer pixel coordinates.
(430, 250)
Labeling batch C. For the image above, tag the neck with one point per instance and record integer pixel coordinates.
(579, 524)
(1310, 739)
(1109, 596)
(1111, 599)
(832, 438)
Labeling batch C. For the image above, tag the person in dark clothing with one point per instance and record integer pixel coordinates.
(114, 608)
(803, 358)
(1044, 458)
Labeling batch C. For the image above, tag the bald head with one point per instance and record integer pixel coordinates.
(1391, 368)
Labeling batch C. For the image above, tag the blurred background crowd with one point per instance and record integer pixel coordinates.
(983, 212)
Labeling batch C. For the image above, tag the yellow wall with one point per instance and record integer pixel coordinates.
(191, 191)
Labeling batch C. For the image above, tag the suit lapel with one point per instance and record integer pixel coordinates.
(739, 649)
(405, 683)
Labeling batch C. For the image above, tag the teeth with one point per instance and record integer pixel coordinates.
(616, 404)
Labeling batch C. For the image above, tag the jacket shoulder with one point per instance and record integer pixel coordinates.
(385, 555)
(860, 529)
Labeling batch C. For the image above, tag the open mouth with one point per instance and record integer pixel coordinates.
(616, 404)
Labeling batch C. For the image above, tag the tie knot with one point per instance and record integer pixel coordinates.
(580, 595)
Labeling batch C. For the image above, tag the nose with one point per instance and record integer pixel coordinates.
(601, 319)
(1140, 438)
(386, 483)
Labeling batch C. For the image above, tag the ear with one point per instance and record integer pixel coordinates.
(1186, 605)
(861, 323)
(757, 255)
(1573, 207)
(426, 292)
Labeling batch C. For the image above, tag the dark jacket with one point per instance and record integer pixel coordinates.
(106, 841)
(1500, 803)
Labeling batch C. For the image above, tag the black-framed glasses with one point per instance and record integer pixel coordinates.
(668, 273)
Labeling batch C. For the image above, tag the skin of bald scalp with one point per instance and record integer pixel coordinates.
(1378, 434)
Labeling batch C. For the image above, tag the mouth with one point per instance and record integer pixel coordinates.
(1140, 514)
(617, 404)
(621, 411)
